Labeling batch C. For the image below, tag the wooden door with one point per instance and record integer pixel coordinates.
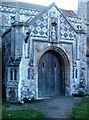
(49, 75)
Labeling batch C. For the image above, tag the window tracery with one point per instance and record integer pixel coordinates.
(13, 74)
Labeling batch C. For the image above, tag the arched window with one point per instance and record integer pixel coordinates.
(15, 74)
(11, 74)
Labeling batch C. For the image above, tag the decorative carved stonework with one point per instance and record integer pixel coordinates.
(54, 29)
(14, 61)
(53, 33)
(54, 23)
(54, 12)
(12, 95)
(12, 83)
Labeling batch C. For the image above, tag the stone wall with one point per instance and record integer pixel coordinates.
(8, 10)
(6, 52)
(6, 48)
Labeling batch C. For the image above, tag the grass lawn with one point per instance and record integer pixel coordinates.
(82, 110)
(22, 114)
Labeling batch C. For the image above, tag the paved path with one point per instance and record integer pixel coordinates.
(58, 107)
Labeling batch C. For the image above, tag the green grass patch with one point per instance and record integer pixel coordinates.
(22, 114)
(82, 110)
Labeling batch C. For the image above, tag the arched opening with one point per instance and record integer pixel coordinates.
(52, 74)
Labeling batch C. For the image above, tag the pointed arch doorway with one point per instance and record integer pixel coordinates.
(51, 72)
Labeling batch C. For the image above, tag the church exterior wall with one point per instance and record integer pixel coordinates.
(50, 30)
(29, 79)
(73, 80)
(84, 7)
(8, 12)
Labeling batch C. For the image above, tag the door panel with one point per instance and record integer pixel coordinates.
(49, 75)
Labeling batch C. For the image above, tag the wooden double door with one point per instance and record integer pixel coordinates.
(50, 82)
